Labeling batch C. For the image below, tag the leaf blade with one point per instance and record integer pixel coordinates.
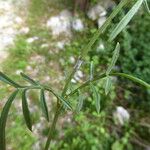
(26, 112)
(107, 85)
(28, 79)
(3, 119)
(67, 104)
(44, 105)
(146, 6)
(114, 58)
(126, 19)
(80, 102)
(91, 70)
(7, 80)
(132, 78)
(96, 96)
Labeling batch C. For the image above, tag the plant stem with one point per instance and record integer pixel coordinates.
(134, 79)
(87, 48)
(103, 28)
(52, 128)
(77, 66)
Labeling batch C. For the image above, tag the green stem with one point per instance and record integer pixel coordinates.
(76, 67)
(87, 48)
(103, 28)
(52, 128)
(78, 64)
(134, 79)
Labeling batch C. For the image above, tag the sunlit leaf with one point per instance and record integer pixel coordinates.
(132, 78)
(146, 5)
(91, 70)
(96, 97)
(108, 85)
(44, 105)
(103, 28)
(126, 19)
(28, 79)
(26, 112)
(114, 58)
(3, 119)
(7, 80)
(80, 102)
(67, 104)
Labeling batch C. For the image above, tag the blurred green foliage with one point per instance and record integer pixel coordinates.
(135, 54)
(89, 131)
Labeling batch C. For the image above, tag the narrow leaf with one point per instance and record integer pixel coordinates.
(26, 112)
(108, 85)
(126, 19)
(3, 119)
(146, 6)
(114, 58)
(96, 97)
(28, 79)
(80, 102)
(91, 70)
(67, 104)
(7, 80)
(132, 78)
(103, 28)
(44, 105)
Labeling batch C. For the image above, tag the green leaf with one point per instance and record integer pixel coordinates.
(67, 104)
(126, 19)
(26, 112)
(117, 145)
(132, 78)
(146, 6)
(44, 105)
(80, 102)
(7, 80)
(3, 119)
(108, 85)
(96, 97)
(103, 28)
(114, 58)
(28, 79)
(91, 70)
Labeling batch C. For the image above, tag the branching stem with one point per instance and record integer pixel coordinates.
(78, 64)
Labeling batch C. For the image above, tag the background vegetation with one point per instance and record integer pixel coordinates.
(87, 130)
